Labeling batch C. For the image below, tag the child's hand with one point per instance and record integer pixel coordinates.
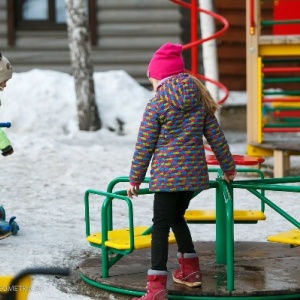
(230, 177)
(7, 151)
(132, 191)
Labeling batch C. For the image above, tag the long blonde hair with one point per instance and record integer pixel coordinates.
(205, 97)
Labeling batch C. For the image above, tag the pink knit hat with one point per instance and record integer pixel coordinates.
(166, 61)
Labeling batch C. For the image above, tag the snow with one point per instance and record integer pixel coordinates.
(54, 163)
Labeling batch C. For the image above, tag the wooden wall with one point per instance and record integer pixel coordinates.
(127, 33)
(130, 31)
(232, 44)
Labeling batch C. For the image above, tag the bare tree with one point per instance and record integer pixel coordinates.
(82, 68)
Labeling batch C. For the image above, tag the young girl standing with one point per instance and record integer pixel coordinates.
(171, 133)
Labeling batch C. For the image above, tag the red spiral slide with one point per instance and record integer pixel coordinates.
(196, 41)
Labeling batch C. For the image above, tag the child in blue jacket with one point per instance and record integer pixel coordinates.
(5, 145)
(5, 75)
(171, 134)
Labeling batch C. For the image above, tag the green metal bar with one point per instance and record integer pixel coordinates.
(279, 22)
(290, 119)
(143, 191)
(105, 206)
(147, 231)
(276, 208)
(281, 79)
(244, 170)
(220, 226)
(291, 179)
(283, 92)
(262, 176)
(281, 125)
(269, 187)
(117, 180)
(106, 262)
(87, 214)
(113, 289)
(282, 108)
(111, 261)
(110, 188)
(229, 235)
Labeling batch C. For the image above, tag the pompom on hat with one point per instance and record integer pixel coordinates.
(5, 69)
(166, 61)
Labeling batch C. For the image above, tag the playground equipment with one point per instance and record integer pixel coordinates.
(18, 287)
(125, 255)
(239, 270)
(239, 216)
(273, 60)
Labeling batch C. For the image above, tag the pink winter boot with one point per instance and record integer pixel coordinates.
(156, 286)
(189, 272)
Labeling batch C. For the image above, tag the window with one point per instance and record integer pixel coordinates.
(40, 14)
(44, 15)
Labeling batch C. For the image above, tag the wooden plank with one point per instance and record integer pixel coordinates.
(281, 163)
(144, 29)
(45, 66)
(230, 5)
(284, 145)
(138, 16)
(234, 35)
(128, 4)
(234, 18)
(239, 82)
(101, 56)
(232, 67)
(42, 40)
(3, 16)
(139, 42)
(226, 51)
(279, 39)
(3, 30)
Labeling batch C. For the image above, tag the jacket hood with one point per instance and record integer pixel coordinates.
(179, 91)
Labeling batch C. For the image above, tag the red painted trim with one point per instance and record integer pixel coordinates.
(238, 159)
(194, 36)
(280, 69)
(292, 129)
(251, 16)
(286, 113)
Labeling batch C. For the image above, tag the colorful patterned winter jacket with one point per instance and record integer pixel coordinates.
(171, 133)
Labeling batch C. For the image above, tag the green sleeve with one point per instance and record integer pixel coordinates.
(4, 141)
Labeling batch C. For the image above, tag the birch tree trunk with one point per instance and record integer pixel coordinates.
(82, 68)
(209, 48)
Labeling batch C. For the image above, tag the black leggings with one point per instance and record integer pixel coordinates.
(168, 212)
